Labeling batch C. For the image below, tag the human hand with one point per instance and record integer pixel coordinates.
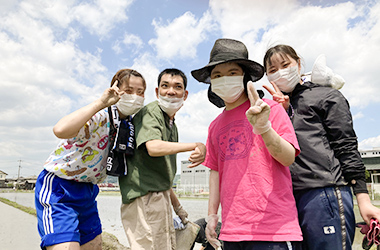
(211, 235)
(258, 113)
(278, 96)
(367, 210)
(180, 211)
(111, 95)
(178, 225)
(198, 155)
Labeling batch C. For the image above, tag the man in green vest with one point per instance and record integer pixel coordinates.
(146, 210)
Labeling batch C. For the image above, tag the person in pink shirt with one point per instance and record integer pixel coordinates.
(249, 148)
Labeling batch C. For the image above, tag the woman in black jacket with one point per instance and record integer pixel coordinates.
(329, 163)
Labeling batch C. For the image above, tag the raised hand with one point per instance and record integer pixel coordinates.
(258, 113)
(111, 95)
(69, 126)
(278, 96)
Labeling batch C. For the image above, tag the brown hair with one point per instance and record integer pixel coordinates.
(123, 75)
(283, 50)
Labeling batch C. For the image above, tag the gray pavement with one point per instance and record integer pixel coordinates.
(18, 229)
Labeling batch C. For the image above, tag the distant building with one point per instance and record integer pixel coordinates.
(3, 175)
(194, 180)
(371, 160)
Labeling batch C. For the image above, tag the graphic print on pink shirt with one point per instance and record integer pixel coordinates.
(234, 141)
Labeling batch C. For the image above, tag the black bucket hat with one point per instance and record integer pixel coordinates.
(227, 50)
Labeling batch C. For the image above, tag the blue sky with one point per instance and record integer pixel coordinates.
(57, 56)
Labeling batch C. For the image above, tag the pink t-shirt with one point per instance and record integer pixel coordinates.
(255, 190)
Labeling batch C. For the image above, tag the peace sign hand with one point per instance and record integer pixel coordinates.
(258, 113)
(111, 95)
(278, 96)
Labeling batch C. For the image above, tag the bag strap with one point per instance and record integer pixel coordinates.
(114, 124)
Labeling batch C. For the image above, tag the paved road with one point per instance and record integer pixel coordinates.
(18, 230)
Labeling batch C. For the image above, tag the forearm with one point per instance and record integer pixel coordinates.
(214, 196)
(69, 126)
(280, 149)
(174, 200)
(350, 161)
(363, 199)
(158, 148)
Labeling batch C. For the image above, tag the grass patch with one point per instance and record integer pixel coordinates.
(28, 210)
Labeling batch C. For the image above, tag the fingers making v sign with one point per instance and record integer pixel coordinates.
(111, 95)
(258, 113)
(278, 96)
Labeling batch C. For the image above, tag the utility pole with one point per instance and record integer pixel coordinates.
(18, 176)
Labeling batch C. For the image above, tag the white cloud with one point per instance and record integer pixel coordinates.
(195, 116)
(56, 12)
(31, 145)
(146, 64)
(36, 69)
(346, 33)
(98, 17)
(180, 38)
(193, 120)
(6, 6)
(130, 41)
(43, 76)
(357, 116)
(370, 143)
(238, 17)
(101, 16)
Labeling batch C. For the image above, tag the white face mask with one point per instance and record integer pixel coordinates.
(286, 79)
(229, 88)
(130, 104)
(170, 105)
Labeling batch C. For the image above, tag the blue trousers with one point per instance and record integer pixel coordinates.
(327, 219)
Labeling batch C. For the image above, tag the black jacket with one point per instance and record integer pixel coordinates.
(329, 154)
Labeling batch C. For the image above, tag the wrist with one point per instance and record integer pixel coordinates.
(212, 216)
(262, 129)
(363, 198)
(99, 104)
(176, 209)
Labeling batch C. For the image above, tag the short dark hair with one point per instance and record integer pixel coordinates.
(173, 72)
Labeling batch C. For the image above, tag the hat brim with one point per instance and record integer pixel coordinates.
(255, 70)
